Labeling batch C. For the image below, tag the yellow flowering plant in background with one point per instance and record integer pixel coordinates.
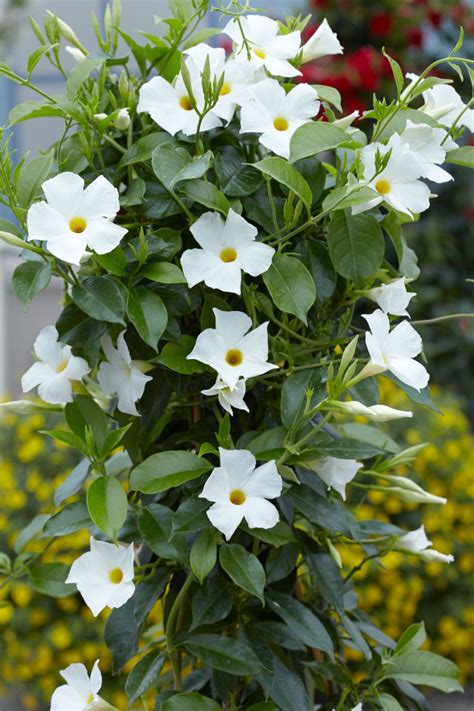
(405, 590)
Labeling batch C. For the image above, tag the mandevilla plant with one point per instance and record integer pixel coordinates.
(220, 234)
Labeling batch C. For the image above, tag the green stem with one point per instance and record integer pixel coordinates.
(170, 629)
(438, 319)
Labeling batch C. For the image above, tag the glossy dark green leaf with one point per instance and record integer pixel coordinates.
(224, 653)
(101, 298)
(148, 314)
(356, 244)
(107, 504)
(243, 568)
(143, 675)
(30, 279)
(165, 470)
(290, 285)
(212, 602)
(203, 555)
(301, 620)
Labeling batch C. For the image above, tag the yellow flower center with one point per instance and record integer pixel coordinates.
(185, 103)
(237, 497)
(234, 357)
(260, 53)
(228, 254)
(116, 576)
(382, 186)
(281, 124)
(77, 224)
(90, 699)
(62, 366)
(226, 89)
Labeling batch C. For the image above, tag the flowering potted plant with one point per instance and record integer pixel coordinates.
(218, 231)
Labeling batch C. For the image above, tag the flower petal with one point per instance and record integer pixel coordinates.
(56, 390)
(238, 464)
(403, 342)
(410, 372)
(231, 325)
(207, 231)
(103, 236)
(100, 199)
(38, 373)
(69, 247)
(260, 513)
(225, 517)
(64, 193)
(256, 258)
(265, 482)
(44, 222)
(78, 679)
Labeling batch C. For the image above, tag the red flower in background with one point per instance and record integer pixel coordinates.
(381, 24)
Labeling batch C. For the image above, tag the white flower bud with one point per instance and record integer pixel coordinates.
(122, 120)
(100, 117)
(323, 42)
(379, 413)
(416, 542)
(76, 53)
(67, 31)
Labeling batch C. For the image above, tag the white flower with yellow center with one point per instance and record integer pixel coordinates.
(104, 575)
(170, 105)
(120, 376)
(267, 48)
(55, 370)
(231, 350)
(398, 184)
(322, 43)
(240, 489)
(80, 692)
(393, 298)
(238, 76)
(416, 542)
(228, 397)
(426, 143)
(336, 473)
(271, 112)
(227, 249)
(74, 218)
(394, 350)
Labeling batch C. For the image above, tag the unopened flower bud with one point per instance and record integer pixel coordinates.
(76, 53)
(122, 120)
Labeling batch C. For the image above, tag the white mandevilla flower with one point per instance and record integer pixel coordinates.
(392, 298)
(104, 575)
(271, 112)
(398, 184)
(417, 542)
(378, 413)
(238, 76)
(122, 120)
(228, 397)
(443, 103)
(76, 53)
(227, 249)
(322, 43)
(336, 473)
(56, 369)
(394, 350)
(266, 47)
(74, 218)
(170, 105)
(426, 143)
(231, 350)
(120, 376)
(239, 489)
(80, 692)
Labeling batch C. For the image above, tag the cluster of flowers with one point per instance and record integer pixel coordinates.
(75, 218)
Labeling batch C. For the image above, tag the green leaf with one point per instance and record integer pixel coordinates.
(189, 701)
(280, 170)
(92, 416)
(174, 357)
(244, 569)
(290, 285)
(191, 516)
(29, 279)
(389, 703)
(168, 161)
(31, 178)
(329, 94)
(328, 515)
(166, 470)
(76, 328)
(293, 396)
(143, 675)
(425, 668)
(70, 519)
(33, 109)
(462, 156)
(224, 653)
(396, 71)
(114, 262)
(236, 178)
(356, 244)
(407, 259)
(301, 621)
(423, 397)
(143, 149)
(328, 577)
(206, 194)
(114, 438)
(121, 632)
(73, 482)
(345, 448)
(411, 640)
(107, 504)
(101, 298)
(30, 531)
(154, 524)
(315, 137)
(164, 273)
(80, 72)
(148, 314)
(277, 536)
(36, 56)
(69, 438)
(203, 554)
(48, 579)
(212, 602)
